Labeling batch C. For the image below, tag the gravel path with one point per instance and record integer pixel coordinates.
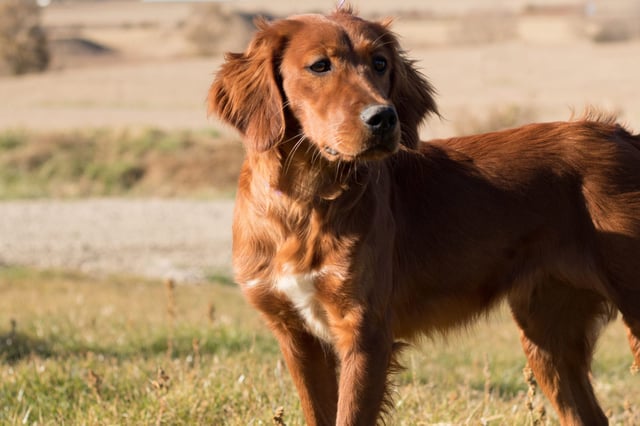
(184, 240)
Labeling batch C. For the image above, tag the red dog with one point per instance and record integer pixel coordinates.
(350, 235)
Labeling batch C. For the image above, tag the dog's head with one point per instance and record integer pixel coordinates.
(338, 81)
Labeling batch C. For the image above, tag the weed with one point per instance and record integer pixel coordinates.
(94, 381)
(211, 312)
(171, 314)
(278, 417)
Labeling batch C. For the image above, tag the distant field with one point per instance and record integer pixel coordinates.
(124, 350)
(480, 60)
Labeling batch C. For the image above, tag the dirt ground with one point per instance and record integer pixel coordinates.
(484, 58)
(179, 239)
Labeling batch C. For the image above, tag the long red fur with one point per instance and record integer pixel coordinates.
(349, 242)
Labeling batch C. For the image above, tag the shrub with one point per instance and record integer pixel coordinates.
(615, 30)
(212, 29)
(23, 42)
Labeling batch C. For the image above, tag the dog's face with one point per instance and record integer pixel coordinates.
(337, 81)
(336, 76)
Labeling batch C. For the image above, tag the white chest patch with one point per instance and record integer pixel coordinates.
(301, 291)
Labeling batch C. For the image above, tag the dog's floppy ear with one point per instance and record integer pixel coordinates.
(411, 94)
(246, 91)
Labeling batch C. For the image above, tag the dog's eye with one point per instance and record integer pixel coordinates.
(379, 64)
(320, 67)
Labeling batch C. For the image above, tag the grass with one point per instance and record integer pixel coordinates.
(123, 350)
(148, 162)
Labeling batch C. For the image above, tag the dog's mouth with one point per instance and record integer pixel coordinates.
(374, 152)
(331, 151)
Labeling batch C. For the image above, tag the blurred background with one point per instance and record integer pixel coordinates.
(108, 63)
(117, 303)
(107, 98)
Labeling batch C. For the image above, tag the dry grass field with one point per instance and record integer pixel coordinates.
(121, 112)
(124, 350)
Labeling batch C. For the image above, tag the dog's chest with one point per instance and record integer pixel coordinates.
(301, 291)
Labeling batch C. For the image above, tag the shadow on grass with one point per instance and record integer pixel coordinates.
(220, 341)
(15, 346)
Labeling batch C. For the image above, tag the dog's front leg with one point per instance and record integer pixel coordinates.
(313, 370)
(365, 355)
(311, 363)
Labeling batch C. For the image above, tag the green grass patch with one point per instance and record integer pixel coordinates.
(124, 350)
(148, 162)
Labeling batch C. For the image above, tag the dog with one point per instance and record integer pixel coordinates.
(352, 237)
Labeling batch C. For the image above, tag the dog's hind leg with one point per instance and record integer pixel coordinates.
(623, 279)
(633, 334)
(559, 326)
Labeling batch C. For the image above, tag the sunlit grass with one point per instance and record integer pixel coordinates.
(125, 350)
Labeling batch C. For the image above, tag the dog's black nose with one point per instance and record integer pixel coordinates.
(379, 119)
